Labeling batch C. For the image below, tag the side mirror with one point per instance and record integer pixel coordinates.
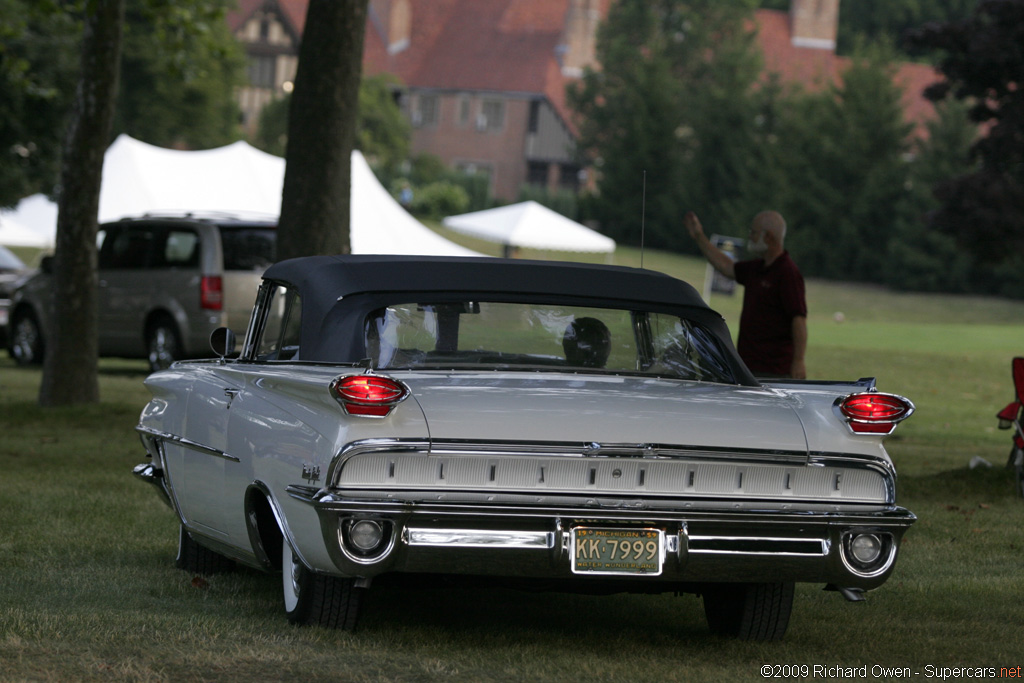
(222, 340)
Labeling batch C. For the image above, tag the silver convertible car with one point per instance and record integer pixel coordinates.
(556, 425)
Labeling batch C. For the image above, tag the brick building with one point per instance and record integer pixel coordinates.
(484, 80)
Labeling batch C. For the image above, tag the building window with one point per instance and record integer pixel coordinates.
(262, 71)
(537, 174)
(426, 111)
(569, 177)
(464, 107)
(534, 123)
(492, 116)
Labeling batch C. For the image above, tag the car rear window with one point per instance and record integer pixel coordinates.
(248, 248)
(501, 335)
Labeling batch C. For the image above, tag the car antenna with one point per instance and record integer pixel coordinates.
(643, 216)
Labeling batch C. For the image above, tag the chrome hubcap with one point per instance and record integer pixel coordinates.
(26, 337)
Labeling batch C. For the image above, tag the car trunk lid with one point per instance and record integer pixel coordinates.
(606, 410)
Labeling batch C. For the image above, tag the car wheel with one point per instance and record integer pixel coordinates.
(163, 344)
(26, 342)
(749, 611)
(315, 599)
(199, 559)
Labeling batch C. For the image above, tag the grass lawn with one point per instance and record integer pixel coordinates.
(88, 590)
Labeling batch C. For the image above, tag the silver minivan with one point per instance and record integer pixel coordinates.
(165, 283)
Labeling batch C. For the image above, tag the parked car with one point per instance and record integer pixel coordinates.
(165, 283)
(12, 270)
(576, 427)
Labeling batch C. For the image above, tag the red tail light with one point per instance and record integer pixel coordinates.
(211, 293)
(368, 395)
(874, 413)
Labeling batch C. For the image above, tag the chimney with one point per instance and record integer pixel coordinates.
(578, 48)
(814, 23)
(393, 21)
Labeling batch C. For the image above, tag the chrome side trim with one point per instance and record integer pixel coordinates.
(759, 545)
(187, 443)
(479, 538)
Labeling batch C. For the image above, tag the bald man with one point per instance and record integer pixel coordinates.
(773, 324)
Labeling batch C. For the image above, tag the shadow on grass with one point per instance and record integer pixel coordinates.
(468, 610)
(983, 482)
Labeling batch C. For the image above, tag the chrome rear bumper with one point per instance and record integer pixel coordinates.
(708, 542)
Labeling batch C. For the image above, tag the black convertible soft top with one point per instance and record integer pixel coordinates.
(339, 291)
(339, 276)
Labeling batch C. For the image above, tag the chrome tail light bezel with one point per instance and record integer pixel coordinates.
(368, 395)
(873, 413)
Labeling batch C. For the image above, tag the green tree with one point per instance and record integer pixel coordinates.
(887, 20)
(39, 62)
(924, 259)
(382, 132)
(843, 156)
(316, 200)
(983, 210)
(670, 111)
(180, 69)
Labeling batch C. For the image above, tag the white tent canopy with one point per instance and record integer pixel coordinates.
(530, 225)
(139, 178)
(14, 234)
(37, 214)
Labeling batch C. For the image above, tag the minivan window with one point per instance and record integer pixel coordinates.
(124, 249)
(181, 250)
(248, 248)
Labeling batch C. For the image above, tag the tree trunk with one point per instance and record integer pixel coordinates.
(316, 200)
(70, 366)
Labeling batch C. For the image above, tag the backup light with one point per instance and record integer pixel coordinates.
(874, 413)
(366, 540)
(368, 395)
(868, 552)
(366, 534)
(865, 548)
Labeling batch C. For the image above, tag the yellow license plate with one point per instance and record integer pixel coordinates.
(617, 551)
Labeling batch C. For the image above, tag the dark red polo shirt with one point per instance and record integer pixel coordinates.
(772, 297)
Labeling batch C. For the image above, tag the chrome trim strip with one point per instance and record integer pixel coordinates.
(816, 546)
(187, 443)
(479, 538)
(650, 451)
(873, 516)
(558, 449)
